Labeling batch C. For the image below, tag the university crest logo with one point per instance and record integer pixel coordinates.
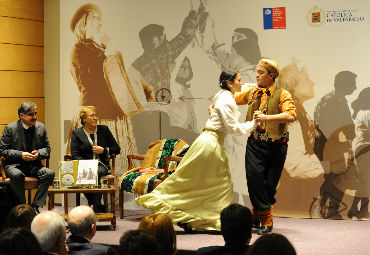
(316, 16)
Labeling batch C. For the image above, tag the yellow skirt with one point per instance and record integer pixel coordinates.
(200, 187)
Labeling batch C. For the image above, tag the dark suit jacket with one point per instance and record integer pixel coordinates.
(82, 149)
(223, 250)
(13, 143)
(80, 246)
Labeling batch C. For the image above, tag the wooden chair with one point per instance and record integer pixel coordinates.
(30, 183)
(158, 163)
(110, 177)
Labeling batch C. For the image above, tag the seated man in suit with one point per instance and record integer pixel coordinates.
(82, 225)
(236, 229)
(23, 144)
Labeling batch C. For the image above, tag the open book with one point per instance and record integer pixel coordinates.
(78, 172)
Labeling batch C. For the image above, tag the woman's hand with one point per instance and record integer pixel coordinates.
(259, 116)
(97, 149)
(210, 108)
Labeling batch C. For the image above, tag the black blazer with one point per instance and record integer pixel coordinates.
(13, 143)
(82, 149)
(80, 246)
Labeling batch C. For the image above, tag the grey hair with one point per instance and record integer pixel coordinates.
(83, 226)
(26, 107)
(48, 234)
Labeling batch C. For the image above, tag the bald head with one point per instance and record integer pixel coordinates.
(49, 229)
(81, 221)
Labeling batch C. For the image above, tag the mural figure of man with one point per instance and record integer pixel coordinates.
(156, 63)
(244, 53)
(333, 117)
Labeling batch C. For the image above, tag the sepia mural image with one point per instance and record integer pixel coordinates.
(151, 68)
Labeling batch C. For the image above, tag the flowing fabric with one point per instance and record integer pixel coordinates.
(200, 187)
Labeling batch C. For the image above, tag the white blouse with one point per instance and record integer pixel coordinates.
(225, 115)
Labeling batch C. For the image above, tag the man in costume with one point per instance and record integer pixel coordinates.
(273, 108)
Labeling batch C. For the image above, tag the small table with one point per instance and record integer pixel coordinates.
(100, 216)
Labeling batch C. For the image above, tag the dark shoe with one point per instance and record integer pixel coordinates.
(186, 227)
(99, 208)
(36, 209)
(264, 230)
(256, 223)
(352, 213)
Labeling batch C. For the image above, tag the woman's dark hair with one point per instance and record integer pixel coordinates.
(272, 243)
(20, 216)
(227, 75)
(19, 241)
(236, 224)
(136, 242)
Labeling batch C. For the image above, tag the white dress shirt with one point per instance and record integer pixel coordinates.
(225, 115)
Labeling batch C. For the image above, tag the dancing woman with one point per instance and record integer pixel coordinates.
(194, 195)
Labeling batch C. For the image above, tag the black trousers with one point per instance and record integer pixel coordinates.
(264, 163)
(95, 198)
(17, 172)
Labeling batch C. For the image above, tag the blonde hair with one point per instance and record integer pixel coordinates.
(161, 226)
(84, 110)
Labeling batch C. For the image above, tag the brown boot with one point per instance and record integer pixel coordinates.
(266, 218)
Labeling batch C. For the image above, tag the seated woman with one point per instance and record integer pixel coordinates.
(93, 141)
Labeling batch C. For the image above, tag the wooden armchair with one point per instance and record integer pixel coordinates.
(30, 183)
(110, 177)
(158, 163)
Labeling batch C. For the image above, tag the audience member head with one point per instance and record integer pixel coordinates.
(19, 241)
(20, 216)
(82, 221)
(236, 224)
(161, 226)
(138, 242)
(49, 229)
(272, 243)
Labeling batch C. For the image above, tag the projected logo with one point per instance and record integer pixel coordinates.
(315, 16)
